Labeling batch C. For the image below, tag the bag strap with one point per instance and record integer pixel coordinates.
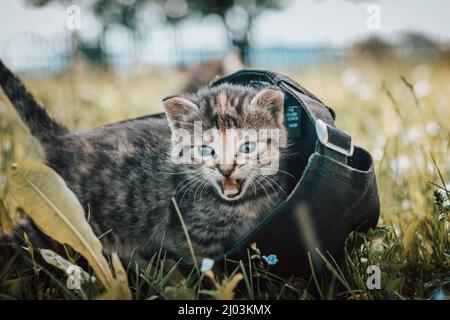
(333, 143)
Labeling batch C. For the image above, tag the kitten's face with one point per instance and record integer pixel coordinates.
(229, 137)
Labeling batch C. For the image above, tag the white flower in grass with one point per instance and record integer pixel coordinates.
(414, 133)
(363, 91)
(422, 88)
(377, 154)
(377, 245)
(406, 204)
(401, 164)
(350, 77)
(432, 128)
(207, 264)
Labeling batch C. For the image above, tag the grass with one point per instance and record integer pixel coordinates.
(398, 111)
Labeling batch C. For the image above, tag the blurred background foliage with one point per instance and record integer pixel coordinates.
(236, 16)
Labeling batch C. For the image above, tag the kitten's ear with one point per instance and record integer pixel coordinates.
(272, 100)
(178, 109)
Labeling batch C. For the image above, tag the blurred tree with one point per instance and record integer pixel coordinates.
(411, 44)
(372, 47)
(418, 45)
(237, 15)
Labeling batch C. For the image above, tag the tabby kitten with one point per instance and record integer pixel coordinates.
(126, 173)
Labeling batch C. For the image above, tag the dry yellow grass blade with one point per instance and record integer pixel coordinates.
(6, 224)
(409, 238)
(226, 290)
(120, 288)
(12, 208)
(45, 197)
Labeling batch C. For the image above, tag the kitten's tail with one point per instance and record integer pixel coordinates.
(41, 125)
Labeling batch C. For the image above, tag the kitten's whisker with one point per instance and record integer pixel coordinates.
(268, 197)
(203, 189)
(172, 173)
(255, 191)
(187, 184)
(196, 190)
(195, 185)
(202, 184)
(180, 183)
(191, 186)
(273, 180)
(279, 170)
(284, 153)
(268, 182)
(252, 183)
(189, 177)
(188, 187)
(287, 173)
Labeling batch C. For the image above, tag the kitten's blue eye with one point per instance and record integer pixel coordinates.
(205, 151)
(247, 147)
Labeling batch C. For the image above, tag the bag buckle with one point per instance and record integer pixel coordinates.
(334, 143)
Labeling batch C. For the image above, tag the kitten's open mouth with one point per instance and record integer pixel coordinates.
(231, 188)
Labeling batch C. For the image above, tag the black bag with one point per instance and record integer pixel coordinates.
(335, 191)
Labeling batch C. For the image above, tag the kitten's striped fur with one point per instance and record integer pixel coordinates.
(123, 172)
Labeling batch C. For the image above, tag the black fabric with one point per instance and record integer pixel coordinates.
(330, 153)
(330, 201)
(333, 196)
(339, 138)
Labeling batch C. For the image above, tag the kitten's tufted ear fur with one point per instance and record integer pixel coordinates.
(178, 109)
(272, 100)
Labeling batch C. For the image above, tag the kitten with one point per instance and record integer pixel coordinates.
(126, 173)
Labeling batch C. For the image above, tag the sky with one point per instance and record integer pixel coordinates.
(332, 22)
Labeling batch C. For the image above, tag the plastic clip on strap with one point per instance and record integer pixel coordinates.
(333, 143)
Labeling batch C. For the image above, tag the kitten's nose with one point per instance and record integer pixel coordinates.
(226, 170)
